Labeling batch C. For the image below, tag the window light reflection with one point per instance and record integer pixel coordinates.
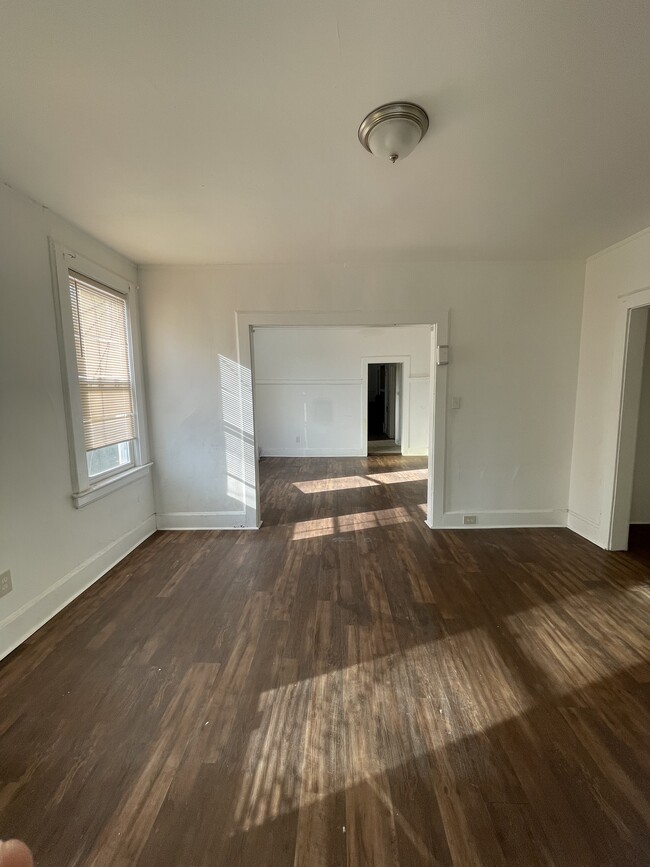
(277, 781)
(323, 486)
(350, 523)
(345, 483)
(398, 476)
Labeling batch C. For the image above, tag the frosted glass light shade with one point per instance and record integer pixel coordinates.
(393, 130)
(394, 138)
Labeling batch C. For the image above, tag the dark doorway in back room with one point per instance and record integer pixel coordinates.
(384, 408)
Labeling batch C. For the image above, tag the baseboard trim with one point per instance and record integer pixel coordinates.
(588, 529)
(19, 625)
(312, 453)
(503, 519)
(202, 521)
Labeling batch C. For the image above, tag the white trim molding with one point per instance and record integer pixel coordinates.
(505, 519)
(405, 409)
(308, 382)
(618, 244)
(101, 489)
(628, 363)
(202, 521)
(19, 625)
(585, 527)
(313, 453)
(247, 321)
(62, 259)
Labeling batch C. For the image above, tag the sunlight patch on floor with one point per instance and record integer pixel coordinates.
(350, 523)
(541, 633)
(338, 712)
(343, 483)
(398, 476)
(346, 483)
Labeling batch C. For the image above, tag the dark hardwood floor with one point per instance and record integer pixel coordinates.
(342, 687)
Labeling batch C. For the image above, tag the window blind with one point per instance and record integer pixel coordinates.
(99, 317)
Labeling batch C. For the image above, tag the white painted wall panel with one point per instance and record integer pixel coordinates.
(52, 549)
(335, 353)
(616, 271)
(514, 338)
(298, 396)
(418, 435)
(309, 418)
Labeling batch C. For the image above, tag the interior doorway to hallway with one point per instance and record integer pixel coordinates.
(384, 398)
(630, 524)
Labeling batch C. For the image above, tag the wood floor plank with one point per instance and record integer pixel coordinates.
(342, 688)
(371, 835)
(125, 835)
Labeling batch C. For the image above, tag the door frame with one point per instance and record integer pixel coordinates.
(631, 339)
(247, 321)
(405, 361)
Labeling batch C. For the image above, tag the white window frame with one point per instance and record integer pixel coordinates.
(83, 490)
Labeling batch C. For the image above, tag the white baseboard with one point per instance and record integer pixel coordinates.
(202, 521)
(503, 519)
(333, 453)
(312, 453)
(19, 625)
(589, 530)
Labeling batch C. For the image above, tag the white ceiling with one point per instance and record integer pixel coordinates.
(197, 131)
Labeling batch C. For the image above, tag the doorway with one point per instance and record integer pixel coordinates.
(639, 537)
(435, 389)
(631, 501)
(384, 399)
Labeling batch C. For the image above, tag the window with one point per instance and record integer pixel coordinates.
(99, 319)
(100, 360)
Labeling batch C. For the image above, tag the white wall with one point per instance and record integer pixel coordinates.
(640, 513)
(52, 549)
(514, 349)
(616, 271)
(310, 395)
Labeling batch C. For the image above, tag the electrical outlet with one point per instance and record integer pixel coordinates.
(5, 583)
(469, 519)
(297, 439)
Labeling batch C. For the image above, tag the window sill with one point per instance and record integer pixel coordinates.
(101, 489)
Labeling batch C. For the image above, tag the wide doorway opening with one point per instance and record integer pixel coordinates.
(340, 427)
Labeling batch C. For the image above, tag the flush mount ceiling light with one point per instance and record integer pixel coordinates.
(393, 130)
